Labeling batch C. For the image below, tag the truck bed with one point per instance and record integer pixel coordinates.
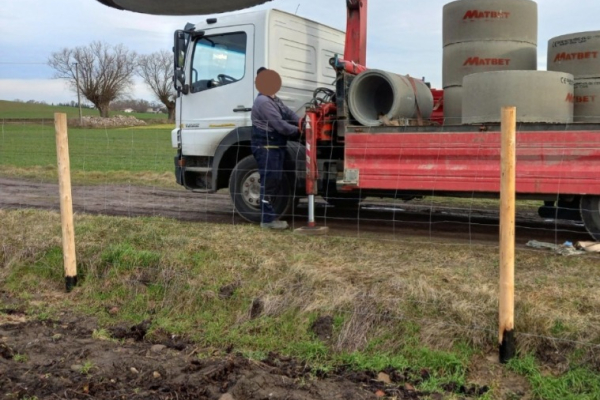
(551, 159)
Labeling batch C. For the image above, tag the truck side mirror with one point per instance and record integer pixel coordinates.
(181, 41)
(179, 81)
(179, 77)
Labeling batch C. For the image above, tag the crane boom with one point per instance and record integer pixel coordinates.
(356, 32)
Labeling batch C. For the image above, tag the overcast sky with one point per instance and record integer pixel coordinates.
(404, 36)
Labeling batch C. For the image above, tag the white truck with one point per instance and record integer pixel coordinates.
(215, 69)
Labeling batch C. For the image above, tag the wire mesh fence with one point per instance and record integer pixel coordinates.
(427, 257)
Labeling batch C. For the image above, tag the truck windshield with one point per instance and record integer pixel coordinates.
(218, 60)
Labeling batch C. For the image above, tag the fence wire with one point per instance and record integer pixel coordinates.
(129, 171)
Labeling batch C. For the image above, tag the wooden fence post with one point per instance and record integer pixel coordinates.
(66, 201)
(507, 235)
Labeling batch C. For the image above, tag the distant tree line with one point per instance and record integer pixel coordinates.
(73, 103)
(135, 105)
(104, 74)
(31, 102)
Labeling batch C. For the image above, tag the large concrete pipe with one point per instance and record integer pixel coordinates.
(577, 54)
(467, 20)
(485, 35)
(540, 96)
(374, 93)
(453, 105)
(462, 59)
(587, 100)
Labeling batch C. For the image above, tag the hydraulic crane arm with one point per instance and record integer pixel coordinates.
(356, 32)
(318, 120)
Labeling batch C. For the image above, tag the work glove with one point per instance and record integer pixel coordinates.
(296, 136)
(301, 123)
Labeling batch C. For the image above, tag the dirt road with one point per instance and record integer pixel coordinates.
(394, 220)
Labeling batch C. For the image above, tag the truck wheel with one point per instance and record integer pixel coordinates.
(590, 214)
(244, 187)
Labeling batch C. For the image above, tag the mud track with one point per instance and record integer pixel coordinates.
(66, 358)
(391, 220)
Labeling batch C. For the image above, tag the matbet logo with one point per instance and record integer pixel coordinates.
(477, 61)
(580, 99)
(478, 14)
(586, 55)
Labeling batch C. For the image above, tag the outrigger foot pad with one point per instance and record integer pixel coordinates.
(312, 230)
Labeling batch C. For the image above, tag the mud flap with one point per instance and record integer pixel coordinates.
(178, 171)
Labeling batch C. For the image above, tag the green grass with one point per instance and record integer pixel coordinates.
(576, 384)
(99, 156)
(20, 358)
(96, 155)
(102, 334)
(394, 304)
(87, 367)
(11, 109)
(442, 367)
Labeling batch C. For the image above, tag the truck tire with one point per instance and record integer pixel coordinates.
(244, 188)
(590, 214)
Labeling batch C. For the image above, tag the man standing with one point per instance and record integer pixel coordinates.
(273, 123)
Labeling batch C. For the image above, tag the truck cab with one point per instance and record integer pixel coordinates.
(215, 69)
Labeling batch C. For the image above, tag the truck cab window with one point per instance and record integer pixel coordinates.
(218, 60)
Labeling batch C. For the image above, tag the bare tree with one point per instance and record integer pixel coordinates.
(156, 70)
(105, 72)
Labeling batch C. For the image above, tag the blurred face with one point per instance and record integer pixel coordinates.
(268, 82)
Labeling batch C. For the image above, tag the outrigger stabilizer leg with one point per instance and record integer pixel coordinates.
(312, 174)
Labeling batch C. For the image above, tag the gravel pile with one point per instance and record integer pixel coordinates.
(118, 121)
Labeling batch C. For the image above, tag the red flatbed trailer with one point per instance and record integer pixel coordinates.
(553, 162)
(557, 164)
(549, 162)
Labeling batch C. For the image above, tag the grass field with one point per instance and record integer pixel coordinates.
(99, 156)
(29, 150)
(11, 109)
(406, 304)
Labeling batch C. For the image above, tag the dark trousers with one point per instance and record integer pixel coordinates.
(270, 159)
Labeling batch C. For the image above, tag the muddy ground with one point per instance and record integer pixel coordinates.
(67, 358)
(374, 217)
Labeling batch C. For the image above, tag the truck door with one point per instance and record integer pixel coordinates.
(221, 76)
